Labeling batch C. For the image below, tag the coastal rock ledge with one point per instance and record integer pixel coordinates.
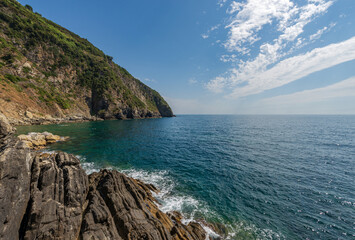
(49, 196)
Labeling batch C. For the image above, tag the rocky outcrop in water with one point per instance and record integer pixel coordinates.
(49, 196)
(36, 140)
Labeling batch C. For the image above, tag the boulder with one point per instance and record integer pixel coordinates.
(40, 140)
(53, 138)
(5, 127)
(28, 114)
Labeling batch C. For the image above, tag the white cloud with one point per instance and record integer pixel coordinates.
(207, 34)
(217, 85)
(345, 88)
(320, 32)
(337, 98)
(192, 81)
(295, 68)
(257, 78)
(292, 29)
(250, 17)
(247, 20)
(229, 58)
(317, 34)
(221, 3)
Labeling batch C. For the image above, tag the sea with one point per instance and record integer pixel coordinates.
(251, 176)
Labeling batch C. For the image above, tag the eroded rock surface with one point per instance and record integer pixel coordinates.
(37, 141)
(15, 173)
(129, 211)
(49, 196)
(58, 193)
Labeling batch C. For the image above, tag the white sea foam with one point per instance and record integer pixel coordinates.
(171, 200)
(47, 151)
(210, 233)
(241, 228)
(89, 167)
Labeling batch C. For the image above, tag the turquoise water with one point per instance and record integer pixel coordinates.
(265, 177)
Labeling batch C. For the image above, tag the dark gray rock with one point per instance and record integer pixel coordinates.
(130, 207)
(49, 196)
(127, 210)
(15, 174)
(97, 221)
(59, 187)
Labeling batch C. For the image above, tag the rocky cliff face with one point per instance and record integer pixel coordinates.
(48, 73)
(49, 196)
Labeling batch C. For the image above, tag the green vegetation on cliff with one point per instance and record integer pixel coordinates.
(57, 67)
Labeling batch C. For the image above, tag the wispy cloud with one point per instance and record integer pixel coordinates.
(192, 81)
(320, 32)
(221, 3)
(250, 17)
(297, 67)
(345, 88)
(247, 19)
(207, 34)
(285, 71)
(317, 34)
(229, 58)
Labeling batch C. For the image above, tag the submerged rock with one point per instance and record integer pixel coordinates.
(49, 196)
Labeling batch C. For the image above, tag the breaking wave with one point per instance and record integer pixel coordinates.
(170, 199)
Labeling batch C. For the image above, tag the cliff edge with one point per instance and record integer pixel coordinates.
(49, 196)
(48, 73)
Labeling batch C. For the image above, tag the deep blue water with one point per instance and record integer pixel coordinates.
(265, 177)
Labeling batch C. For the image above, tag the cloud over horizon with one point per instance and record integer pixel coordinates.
(273, 63)
(315, 101)
(296, 67)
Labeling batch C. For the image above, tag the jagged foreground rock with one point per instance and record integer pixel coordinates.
(49, 196)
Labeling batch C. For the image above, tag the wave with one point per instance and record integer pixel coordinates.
(46, 151)
(170, 199)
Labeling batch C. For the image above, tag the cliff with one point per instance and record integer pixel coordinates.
(48, 73)
(49, 196)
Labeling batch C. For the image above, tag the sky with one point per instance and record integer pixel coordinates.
(226, 57)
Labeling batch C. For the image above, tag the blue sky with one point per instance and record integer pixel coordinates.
(226, 57)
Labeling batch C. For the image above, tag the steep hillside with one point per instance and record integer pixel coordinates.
(48, 72)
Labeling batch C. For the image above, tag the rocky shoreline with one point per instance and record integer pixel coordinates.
(46, 120)
(49, 196)
(50, 120)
